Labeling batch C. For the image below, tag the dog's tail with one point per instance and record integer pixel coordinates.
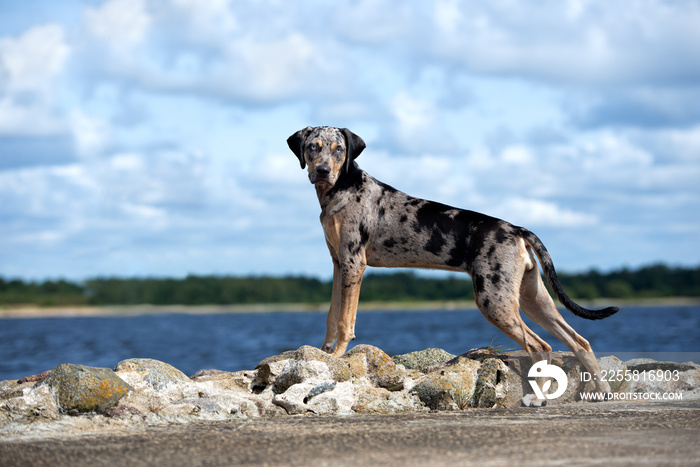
(548, 267)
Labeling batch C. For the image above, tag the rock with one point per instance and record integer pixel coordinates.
(612, 365)
(270, 370)
(648, 376)
(307, 380)
(437, 392)
(373, 400)
(79, 388)
(380, 368)
(492, 386)
(423, 358)
(449, 388)
(240, 380)
(301, 371)
(647, 364)
(210, 372)
(338, 368)
(30, 405)
(153, 373)
(296, 400)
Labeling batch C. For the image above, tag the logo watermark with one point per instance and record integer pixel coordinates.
(648, 380)
(542, 369)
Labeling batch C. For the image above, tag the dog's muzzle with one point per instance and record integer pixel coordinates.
(321, 174)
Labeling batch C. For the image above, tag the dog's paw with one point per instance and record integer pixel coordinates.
(532, 401)
(328, 348)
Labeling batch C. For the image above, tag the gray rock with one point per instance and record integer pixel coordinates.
(422, 359)
(79, 388)
(153, 373)
(647, 364)
(270, 370)
(301, 371)
(449, 388)
(380, 368)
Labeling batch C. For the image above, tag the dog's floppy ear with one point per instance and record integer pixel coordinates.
(355, 145)
(296, 144)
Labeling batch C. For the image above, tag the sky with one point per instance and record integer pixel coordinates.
(148, 137)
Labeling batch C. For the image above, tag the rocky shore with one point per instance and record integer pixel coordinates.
(146, 393)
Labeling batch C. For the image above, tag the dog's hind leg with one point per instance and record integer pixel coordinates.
(536, 302)
(501, 310)
(506, 317)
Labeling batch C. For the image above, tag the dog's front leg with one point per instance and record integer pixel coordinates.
(350, 282)
(333, 312)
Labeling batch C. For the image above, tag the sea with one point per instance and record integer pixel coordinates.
(239, 341)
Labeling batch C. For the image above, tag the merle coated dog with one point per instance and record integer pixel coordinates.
(369, 223)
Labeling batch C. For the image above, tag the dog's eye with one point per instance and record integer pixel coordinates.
(338, 150)
(313, 147)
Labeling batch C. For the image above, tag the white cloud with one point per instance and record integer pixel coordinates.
(32, 61)
(122, 24)
(91, 134)
(179, 111)
(30, 65)
(538, 213)
(576, 42)
(518, 155)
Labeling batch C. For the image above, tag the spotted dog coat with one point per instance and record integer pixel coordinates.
(369, 223)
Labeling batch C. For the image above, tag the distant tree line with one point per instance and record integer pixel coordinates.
(647, 282)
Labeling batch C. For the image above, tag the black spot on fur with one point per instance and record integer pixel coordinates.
(435, 243)
(495, 279)
(486, 303)
(389, 243)
(479, 284)
(364, 233)
(403, 218)
(501, 236)
(381, 212)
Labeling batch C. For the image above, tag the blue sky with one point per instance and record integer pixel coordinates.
(148, 137)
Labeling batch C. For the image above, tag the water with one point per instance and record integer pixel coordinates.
(239, 341)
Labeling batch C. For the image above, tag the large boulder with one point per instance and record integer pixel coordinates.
(79, 388)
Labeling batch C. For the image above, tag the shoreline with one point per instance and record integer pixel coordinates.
(35, 311)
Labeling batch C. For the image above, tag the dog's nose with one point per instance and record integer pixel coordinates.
(323, 170)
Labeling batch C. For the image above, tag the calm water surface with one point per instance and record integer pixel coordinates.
(239, 341)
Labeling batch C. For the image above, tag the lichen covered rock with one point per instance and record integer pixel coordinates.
(79, 388)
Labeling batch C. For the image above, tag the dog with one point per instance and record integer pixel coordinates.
(369, 223)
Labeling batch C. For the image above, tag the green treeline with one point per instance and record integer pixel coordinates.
(647, 282)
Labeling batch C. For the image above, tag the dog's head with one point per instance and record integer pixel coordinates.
(328, 151)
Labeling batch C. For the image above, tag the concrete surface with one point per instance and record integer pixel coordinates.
(611, 433)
